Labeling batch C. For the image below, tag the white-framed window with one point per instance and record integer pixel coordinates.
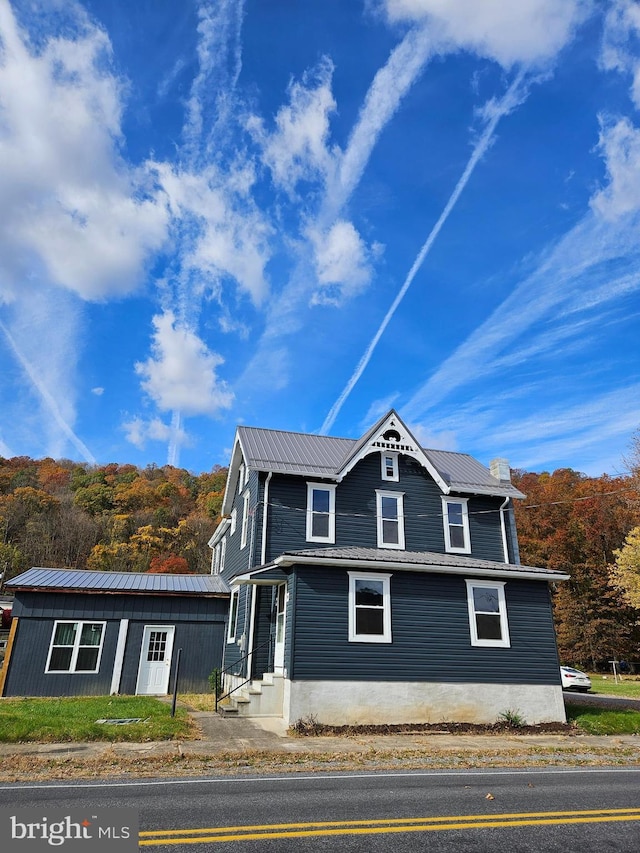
(215, 564)
(223, 553)
(390, 519)
(233, 615)
(369, 607)
(455, 516)
(241, 476)
(321, 512)
(234, 521)
(488, 622)
(75, 647)
(389, 464)
(245, 519)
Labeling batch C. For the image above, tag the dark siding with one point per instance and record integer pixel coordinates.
(27, 676)
(264, 627)
(356, 512)
(234, 653)
(199, 625)
(430, 629)
(201, 646)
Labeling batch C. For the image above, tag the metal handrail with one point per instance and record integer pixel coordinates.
(228, 669)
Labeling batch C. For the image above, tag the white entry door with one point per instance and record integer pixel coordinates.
(155, 660)
(281, 604)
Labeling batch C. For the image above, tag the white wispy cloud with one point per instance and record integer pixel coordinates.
(181, 373)
(510, 101)
(620, 41)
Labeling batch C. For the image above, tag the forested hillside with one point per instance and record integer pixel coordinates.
(122, 518)
(112, 517)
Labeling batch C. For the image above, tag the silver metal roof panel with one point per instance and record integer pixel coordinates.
(122, 582)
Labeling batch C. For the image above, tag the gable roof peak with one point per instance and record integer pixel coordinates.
(390, 433)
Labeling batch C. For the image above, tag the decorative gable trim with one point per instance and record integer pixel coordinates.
(391, 434)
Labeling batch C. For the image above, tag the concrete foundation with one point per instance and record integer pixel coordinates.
(375, 702)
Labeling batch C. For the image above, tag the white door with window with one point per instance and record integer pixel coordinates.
(155, 660)
(281, 604)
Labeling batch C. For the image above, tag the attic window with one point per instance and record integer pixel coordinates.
(391, 435)
(389, 463)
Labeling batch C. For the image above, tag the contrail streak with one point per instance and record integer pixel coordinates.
(48, 399)
(508, 103)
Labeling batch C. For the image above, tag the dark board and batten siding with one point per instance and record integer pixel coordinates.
(356, 512)
(199, 630)
(430, 631)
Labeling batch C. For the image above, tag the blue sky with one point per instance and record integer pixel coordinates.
(298, 215)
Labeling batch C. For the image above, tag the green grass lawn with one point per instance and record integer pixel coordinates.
(628, 688)
(61, 720)
(604, 721)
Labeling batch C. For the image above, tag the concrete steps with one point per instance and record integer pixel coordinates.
(260, 698)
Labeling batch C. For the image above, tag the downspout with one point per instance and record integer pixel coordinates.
(503, 527)
(263, 550)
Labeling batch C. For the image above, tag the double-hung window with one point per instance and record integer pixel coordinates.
(390, 519)
(456, 525)
(389, 462)
(488, 614)
(75, 647)
(321, 512)
(369, 607)
(234, 521)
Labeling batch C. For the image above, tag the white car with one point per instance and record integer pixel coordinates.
(573, 679)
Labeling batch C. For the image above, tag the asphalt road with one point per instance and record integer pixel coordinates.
(595, 699)
(527, 810)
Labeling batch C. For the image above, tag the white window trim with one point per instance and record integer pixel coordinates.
(505, 642)
(394, 477)
(235, 595)
(245, 519)
(326, 487)
(385, 637)
(234, 521)
(241, 477)
(449, 548)
(399, 496)
(76, 646)
(223, 554)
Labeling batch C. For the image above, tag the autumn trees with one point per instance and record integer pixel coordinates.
(576, 524)
(111, 517)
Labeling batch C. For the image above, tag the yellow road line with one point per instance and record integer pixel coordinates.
(381, 826)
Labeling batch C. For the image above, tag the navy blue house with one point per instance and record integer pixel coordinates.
(88, 633)
(374, 581)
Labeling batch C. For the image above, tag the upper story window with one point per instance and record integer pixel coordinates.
(234, 521)
(245, 519)
(223, 553)
(488, 614)
(321, 512)
(390, 519)
(369, 607)
(75, 647)
(241, 477)
(389, 466)
(456, 525)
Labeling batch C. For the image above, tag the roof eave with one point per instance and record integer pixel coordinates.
(344, 562)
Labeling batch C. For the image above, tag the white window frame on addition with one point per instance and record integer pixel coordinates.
(465, 548)
(500, 614)
(76, 646)
(234, 606)
(354, 607)
(382, 521)
(389, 466)
(313, 514)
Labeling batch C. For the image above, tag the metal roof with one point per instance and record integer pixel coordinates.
(411, 558)
(122, 582)
(323, 456)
